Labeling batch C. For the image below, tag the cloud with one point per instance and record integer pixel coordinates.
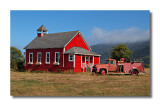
(133, 34)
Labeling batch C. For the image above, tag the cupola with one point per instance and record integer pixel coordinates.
(41, 31)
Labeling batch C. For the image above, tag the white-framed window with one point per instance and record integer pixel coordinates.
(47, 57)
(31, 58)
(39, 54)
(70, 57)
(56, 57)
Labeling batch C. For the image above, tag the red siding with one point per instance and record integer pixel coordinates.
(67, 63)
(43, 66)
(96, 60)
(78, 64)
(76, 41)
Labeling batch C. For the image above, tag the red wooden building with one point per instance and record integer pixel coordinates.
(59, 52)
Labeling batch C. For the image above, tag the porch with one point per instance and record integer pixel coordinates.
(87, 63)
(83, 60)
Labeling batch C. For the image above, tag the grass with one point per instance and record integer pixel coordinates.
(79, 84)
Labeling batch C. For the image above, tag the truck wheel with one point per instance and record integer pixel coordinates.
(103, 72)
(134, 72)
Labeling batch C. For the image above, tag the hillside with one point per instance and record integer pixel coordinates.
(140, 50)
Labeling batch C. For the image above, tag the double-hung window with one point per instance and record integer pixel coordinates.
(31, 58)
(47, 57)
(57, 57)
(70, 57)
(39, 54)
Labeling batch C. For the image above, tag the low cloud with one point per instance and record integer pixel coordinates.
(133, 34)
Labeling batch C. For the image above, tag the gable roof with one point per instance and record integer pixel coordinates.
(54, 40)
(42, 28)
(80, 50)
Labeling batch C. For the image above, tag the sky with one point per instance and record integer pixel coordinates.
(96, 26)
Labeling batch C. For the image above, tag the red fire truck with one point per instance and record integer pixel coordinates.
(124, 66)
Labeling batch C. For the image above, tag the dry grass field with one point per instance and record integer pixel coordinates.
(79, 84)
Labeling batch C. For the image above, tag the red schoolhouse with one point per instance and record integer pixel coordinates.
(59, 52)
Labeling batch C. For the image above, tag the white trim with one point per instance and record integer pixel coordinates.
(37, 56)
(74, 60)
(46, 58)
(69, 57)
(71, 39)
(93, 59)
(85, 41)
(55, 57)
(63, 56)
(82, 39)
(32, 58)
(85, 59)
(99, 60)
(81, 61)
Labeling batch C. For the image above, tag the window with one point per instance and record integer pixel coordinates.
(56, 57)
(111, 62)
(87, 58)
(39, 57)
(107, 61)
(70, 57)
(30, 57)
(47, 57)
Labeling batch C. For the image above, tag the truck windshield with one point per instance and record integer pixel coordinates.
(107, 62)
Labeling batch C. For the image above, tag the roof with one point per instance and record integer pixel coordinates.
(80, 50)
(42, 28)
(54, 40)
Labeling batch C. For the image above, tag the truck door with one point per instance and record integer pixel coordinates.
(112, 65)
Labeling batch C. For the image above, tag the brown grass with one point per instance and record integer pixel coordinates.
(80, 84)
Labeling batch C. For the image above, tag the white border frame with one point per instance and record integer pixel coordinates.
(46, 58)
(58, 57)
(41, 56)
(69, 57)
(32, 57)
(74, 60)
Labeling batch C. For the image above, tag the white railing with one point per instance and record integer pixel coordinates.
(90, 65)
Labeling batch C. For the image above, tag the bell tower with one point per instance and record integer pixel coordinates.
(41, 31)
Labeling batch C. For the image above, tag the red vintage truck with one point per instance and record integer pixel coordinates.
(124, 66)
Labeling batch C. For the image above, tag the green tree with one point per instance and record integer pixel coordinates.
(120, 51)
(15, 57)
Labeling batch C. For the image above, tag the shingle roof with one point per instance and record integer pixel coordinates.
(54, 40)
(80, 50)
(42, 28)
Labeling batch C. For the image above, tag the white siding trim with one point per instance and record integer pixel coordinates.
(82, 39)
(32, 58)
(69, 57)
(37, 56)
(71, 39)
(46, 58)
(93, 59)
(81, 61)
(55, 57)
(85, 41)
(63, 56)
(74, 60)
